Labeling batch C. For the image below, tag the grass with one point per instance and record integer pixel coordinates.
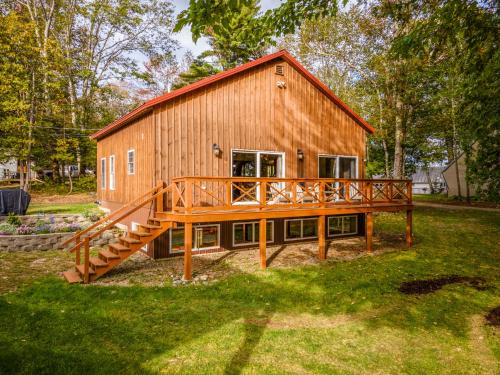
(59, 208)
(337, 318)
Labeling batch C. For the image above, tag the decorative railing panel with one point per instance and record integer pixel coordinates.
(219, 193)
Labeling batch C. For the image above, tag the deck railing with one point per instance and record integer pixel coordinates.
(238, 193)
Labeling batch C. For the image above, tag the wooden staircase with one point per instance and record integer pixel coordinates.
(94, 267)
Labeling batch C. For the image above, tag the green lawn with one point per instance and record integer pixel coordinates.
(59, 208)
(338, 318)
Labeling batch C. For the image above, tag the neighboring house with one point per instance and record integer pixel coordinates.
(423, 178)
(260, 154)
(8, 169)
(457, 166)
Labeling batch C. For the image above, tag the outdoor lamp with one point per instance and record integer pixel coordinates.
(216, 149)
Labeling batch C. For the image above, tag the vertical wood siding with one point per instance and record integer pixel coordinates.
(245, 111)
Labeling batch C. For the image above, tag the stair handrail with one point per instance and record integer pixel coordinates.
(79, 234)
(124, 215)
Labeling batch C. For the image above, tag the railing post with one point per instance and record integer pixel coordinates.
(294, 192)
(159, 199)
(86, 260)
(229, 193)
(322, 198)
(262, 193)
(189, 195)
(77, 253)
(175, 196)
(409, 191)
(369, 192)
(391, 190)
(347, 191)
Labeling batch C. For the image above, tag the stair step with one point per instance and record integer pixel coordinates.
(160, 219)
(140, 234)
(151, 226)
(98, 262)
(119, 247)
(130, 240)
(108, 255)
(81, 267)
(72, 277)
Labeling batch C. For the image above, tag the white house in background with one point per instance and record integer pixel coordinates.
(422, 180)
(8, 169)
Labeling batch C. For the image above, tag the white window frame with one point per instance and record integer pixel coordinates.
(255, 240)
(194, 239)
(112, 172)
(131, 151)
(338, 163)
(103, 173)
(257, 155)
(342, 225)
(301, 229)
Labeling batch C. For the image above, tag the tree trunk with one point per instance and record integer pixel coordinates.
(398, 143)
(386, 159)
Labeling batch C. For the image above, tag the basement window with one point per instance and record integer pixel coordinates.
(248, 233)
(342, 225)
(204, 237)
(300, 229)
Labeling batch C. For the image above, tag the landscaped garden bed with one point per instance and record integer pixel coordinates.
(46, 232)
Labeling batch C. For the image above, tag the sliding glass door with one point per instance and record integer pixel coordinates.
(337, 167)
(258, 164)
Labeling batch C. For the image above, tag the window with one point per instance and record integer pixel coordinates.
(297, 229)
(204, 237)
(248, 233)
(337, 166)
(112, 172)
(131, 162)
(342, 225)
(103, 173)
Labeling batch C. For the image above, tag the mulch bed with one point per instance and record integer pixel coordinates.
(493, 317)
(431, 285)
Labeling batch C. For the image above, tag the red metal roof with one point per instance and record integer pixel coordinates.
(147, 106)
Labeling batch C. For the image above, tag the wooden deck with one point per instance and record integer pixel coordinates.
(191, 200)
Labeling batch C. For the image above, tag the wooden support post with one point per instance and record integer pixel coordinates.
(321, 237)
(369, 231)
(86, 260)
(77, 251)
(159, 201)
(262, 243)
(188, 246)
(409, 228)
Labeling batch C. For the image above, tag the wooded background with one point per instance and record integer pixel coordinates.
(425, 74)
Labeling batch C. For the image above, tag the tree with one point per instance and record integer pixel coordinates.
(197, 70)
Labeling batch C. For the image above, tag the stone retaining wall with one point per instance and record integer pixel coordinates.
(50, 241)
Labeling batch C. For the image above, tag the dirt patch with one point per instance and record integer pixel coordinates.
(493, 317)
(431, 285)
(72, 198)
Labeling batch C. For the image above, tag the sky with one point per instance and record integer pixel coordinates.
(184, 37)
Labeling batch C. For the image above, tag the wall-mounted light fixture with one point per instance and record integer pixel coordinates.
(300, 154)
(216, 150)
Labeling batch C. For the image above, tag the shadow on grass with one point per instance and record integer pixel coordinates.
(54, 328)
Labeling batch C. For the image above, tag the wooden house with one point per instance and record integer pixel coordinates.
(260, 154)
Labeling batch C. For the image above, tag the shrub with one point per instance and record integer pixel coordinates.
(6, 229)
(93, 215)
(13, 219)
